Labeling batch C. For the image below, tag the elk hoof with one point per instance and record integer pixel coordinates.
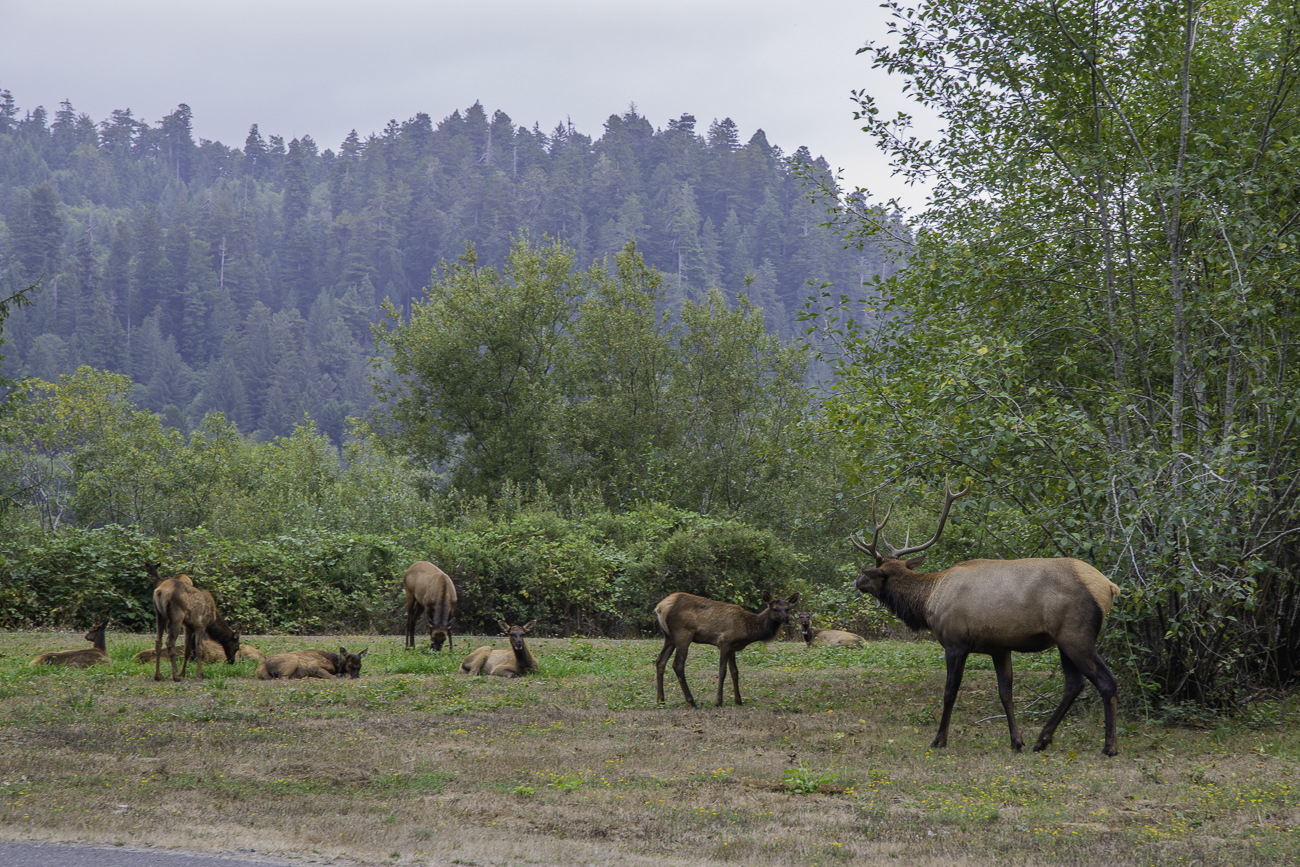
(938, 743)
(1040, 746)
(1110, 751)
(1017, 745)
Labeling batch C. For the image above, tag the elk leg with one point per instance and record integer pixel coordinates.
(1074, 684)
(660, 663)
(679, 669)
(200, 636)
(1095, 670)
(412, 615)
(735, 675)
(1002, 665)
(724, 656)
(174, 626)
(157, 647)
(956, 660)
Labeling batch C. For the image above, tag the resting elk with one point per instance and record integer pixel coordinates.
(995, 607)
(95, 655)
(827, 637)
(211, 652)
(517, 661)
(686, 619)
(312, 663)
(430, 591)
(178, 604)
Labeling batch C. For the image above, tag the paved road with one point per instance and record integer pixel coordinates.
(63, 855)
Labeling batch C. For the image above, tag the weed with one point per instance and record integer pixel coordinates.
(802, 781)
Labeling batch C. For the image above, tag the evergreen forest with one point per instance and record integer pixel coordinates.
(245, 279)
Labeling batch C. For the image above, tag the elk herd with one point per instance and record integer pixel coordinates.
(989, 607)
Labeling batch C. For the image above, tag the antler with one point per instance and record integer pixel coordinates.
(870, 550)
(948, 499)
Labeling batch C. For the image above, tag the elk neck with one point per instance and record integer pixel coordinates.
(907, 593)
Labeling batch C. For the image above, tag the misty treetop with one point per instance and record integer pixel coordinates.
(246, 279)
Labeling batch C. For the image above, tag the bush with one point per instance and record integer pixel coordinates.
(596, 574)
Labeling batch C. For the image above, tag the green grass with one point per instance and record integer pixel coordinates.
(827, 762)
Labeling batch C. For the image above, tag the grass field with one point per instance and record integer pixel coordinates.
(826, 763)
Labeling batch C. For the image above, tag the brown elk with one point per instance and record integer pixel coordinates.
(827, 637)
(211, 652)
(516, 661)
(686, 619)
(312, 663)
(430, 591)
(178, 604)
(96, 655)
(995, 607)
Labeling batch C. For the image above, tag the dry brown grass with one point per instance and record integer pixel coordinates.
(417, 764)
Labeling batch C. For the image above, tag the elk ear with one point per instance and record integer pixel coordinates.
(914, 562)
(451, 623)
(362, 654)
(794, 599)
(529, 625)
(766, 597)
(505, 627)
(343, 651)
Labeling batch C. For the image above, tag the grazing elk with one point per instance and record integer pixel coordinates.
(684, 619)
(516, 661)
(312, 663)
(995, 607)
(430, 591)
(178, 603)
(827, 637)
(96, 655)
(211, 652)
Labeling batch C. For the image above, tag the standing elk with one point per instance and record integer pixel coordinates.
(995, 607)
(517, 661)
(827, 637)
(95, 655)
(430, 591)
(178, 604)
(686, 619)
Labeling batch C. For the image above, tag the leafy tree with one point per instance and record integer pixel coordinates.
(1095, 319)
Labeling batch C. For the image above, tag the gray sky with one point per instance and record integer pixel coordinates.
(324, 67)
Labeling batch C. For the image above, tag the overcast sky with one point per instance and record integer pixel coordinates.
(324, 67)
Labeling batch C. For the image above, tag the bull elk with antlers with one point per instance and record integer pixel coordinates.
(995, 607)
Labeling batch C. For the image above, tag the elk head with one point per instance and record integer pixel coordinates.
(780, 607)
(873, 578)
(350, 663)
(516, 633)
(438, 635)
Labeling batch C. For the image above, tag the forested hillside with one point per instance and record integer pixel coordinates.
(245, 279)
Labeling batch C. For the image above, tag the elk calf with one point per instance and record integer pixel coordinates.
(312, 663)
(211, 652)
(827, 637)
(96, 655)
(686, 619)
(517, 661)
(996, 607)
(178, 604)
(430, 591)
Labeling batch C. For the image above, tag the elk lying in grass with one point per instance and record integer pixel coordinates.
(178, 604)
(312, 663)
(210, 652)
(96, 655)
(430, 591)
(827, 637)
(516, 661)
(684, 619)
(995, 607)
